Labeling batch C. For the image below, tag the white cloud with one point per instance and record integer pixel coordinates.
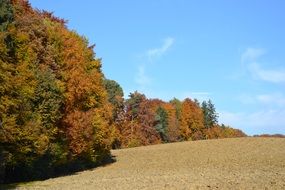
(157, 52)
(141, 78)
(250, 58)
(263, 121)
(269, 75)
(262, 113)
(252, 54)
(276, 99)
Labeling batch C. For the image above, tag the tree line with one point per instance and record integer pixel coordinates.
(140, 121)
(58, 113)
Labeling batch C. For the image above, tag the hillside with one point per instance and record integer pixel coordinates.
(241, 163)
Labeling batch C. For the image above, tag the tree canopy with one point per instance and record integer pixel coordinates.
(58, 113)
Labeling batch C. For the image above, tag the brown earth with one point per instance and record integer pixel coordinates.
(241, 163)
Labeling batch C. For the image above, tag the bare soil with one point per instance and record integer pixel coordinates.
(241, 163)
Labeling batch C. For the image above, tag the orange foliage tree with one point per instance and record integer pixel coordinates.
(191, 122)
(54, 109)
(139, 124)
(59, 113)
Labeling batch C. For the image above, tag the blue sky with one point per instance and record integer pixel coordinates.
(231, 51)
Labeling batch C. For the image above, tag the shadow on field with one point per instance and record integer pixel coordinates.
(71, 169)
(8, 186)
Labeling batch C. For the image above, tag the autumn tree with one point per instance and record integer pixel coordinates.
(191, 122)
(218, 132)
(54, 109)
(85, 97)
(172, 122)
(140, 119)
(130, 128)
(23, 138)
(58, 113)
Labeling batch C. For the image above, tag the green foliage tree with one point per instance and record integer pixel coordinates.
(133, 104)
(210, 114)
(6, 14)
(115, 92)
(161, 120)
(197, 102)
(116, 98)
(178, 105)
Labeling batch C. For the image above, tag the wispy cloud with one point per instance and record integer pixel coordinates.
(269, 75)
(276, 99)
(250, 60)
(252, 54)
(157, 52)
(141, 78)
(264, 121)
(248, 56)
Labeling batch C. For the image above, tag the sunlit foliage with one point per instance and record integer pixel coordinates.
(58, 113)
(54, 108)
